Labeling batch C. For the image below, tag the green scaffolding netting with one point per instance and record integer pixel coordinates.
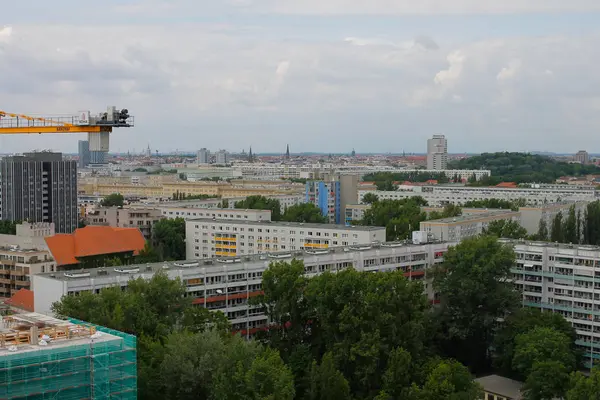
(103, 369)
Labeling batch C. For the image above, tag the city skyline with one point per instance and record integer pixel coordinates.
(513, 76)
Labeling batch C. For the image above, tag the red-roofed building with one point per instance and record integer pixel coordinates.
(510, 185)
(91, 246)
(22, 299)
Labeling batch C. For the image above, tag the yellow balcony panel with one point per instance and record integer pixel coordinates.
(225, 246)
(225, 239)
(225, 253)
(316, 245)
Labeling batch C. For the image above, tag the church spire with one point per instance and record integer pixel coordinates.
(287, 151)
(250, 155)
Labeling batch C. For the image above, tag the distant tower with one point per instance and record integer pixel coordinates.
(287, 152)
(148, 152)
(353, 153)
(250, 155)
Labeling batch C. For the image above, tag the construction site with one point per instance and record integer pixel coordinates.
(42, 357)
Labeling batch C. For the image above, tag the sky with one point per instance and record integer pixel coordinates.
(319, 75)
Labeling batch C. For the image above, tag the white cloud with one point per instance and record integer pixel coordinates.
(399, 7)
(449, 76)
(509, 72)
(5, 33)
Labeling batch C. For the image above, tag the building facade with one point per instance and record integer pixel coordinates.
(564, 279)
(227, 284)
(39, 187)
(203, 156)
(84, 154)
(332, 194)
(18, 265)
(233, 214)
(355, 212)
(440, 195)
(222, 157)
(142, 218)
(206, 238)
(531, 217)
(582, 157)
(437, 153)
(465, 226)
(97, 157)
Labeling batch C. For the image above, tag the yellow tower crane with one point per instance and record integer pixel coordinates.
(97, 127)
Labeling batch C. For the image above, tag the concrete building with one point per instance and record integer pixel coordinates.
(465, 226)
(582, 157)
(97, 157)
(222, 157)
(48, 358)
(332, 195)
(39, 187)
(203, 156)
(84, 154)
(29, 236)
(216, 213)
(18, 264)
(440, 195)
(207, 238)
(497, 387)
(532, 216)
(564, 279)
(142, 218)
(437, 153)
(227, 284)
(355, 212)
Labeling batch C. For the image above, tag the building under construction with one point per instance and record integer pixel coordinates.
(47, 358)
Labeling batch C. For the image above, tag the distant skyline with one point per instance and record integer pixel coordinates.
(378, 76)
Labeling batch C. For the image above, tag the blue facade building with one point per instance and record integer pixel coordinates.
(327, 197)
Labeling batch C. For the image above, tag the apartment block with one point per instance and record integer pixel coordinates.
(207, 238)
(355, 212)
(437, 153)
(142, 218)
(17, 265)
(234, 214)
(227, 284)
(332, 195)
(48, 358)
(532, 216)
(465, 226)
(39, 187)
(564, 279)
(440, 195)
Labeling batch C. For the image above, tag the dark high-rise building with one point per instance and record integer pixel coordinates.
(97, 157)
(84, 154)
(39, 187)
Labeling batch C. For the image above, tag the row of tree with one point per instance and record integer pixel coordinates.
(385, 180)
(305, 212)
(521, 168)
(574, 227)
(349, 335)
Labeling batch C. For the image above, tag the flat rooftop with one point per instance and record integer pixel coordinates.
(294, 225)
(16, 330)
(230, 262)
(471, 217)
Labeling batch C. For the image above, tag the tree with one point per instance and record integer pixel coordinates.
(506, 228)
(412, 176)
(523, 321)
(269, 378)
(397, 377)
(547, 380)
(261, 203)
(327, 382)
(542, 344)
(305, 212)
(8, 227)
(113, 200)
(400, 217)
(557, 229)
(370, 198)
(571, 232)
(449, 380)
(148, 254)
(451, 210)
(496, 203)
(168, 237)
(475, 288)
(583, 387)
(386, 186)
(542, 233)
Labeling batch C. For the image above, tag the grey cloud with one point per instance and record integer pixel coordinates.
(427, 42)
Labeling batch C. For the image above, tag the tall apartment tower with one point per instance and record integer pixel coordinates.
(222, 157)
(39, 187)
(84, 154)
(203, 156)
(582, 157)
(437, 152)
(332, 195)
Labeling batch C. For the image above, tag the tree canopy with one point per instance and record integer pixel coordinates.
(506, 228)
(305, 212)
(113, 200)
(400, 217)
(521, 167)
(168, 238)
(496, 203)
(412, 176)
(261, 203)
(8, 227)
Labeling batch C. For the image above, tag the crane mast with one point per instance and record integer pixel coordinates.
(98, 127)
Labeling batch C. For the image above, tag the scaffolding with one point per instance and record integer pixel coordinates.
(81, 360)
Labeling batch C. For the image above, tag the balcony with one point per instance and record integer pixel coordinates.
(225, 239)
(316, 245)
(225, 253)
(225, 246)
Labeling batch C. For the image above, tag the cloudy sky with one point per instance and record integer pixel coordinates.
(321, 75)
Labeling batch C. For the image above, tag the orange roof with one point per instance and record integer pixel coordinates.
(432, 181)
(22, 299)
(92, 241)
